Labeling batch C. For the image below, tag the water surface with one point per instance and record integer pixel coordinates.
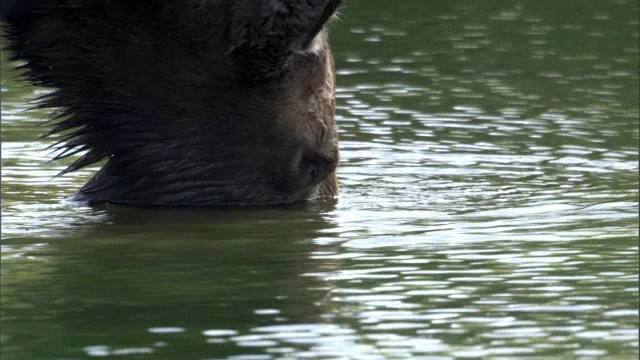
(489, 208)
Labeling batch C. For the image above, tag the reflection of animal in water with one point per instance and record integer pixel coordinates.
(190, 103)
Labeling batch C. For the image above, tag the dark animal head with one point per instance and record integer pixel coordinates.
(191, 102)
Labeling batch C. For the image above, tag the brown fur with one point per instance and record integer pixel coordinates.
(191, 102)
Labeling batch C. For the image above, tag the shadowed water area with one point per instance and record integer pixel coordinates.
(488, 208)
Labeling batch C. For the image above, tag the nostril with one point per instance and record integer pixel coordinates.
(304, 167)
(316, 167)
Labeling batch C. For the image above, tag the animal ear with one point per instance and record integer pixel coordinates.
(280, 25)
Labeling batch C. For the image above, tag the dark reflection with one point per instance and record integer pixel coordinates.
(145, 269)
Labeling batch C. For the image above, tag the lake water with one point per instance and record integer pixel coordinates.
(489, 208)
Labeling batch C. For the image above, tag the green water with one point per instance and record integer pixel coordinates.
(489, 209)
